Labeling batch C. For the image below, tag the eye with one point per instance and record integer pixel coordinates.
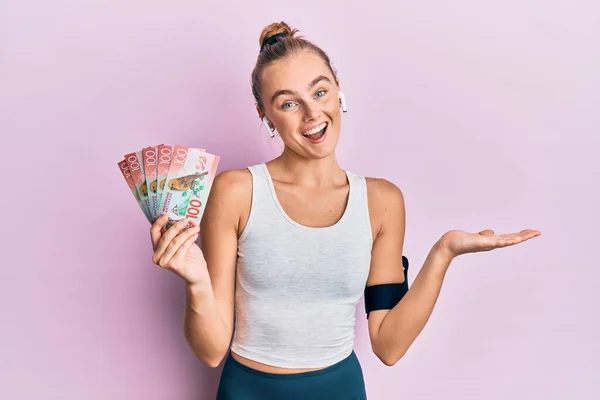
(321, 93)
(287, 104)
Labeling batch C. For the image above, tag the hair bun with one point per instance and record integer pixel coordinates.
(274, 32)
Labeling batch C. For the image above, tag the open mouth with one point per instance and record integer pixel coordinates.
(317, 134)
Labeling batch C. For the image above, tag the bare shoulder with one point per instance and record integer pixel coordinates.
(381, 191)
(230, 197)
(386, 200)
(232, 182)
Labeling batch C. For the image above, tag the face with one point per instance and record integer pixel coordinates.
(300, 99)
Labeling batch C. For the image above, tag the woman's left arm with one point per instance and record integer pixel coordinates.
(393, 331)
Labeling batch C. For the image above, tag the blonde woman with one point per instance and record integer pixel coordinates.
(290, 246)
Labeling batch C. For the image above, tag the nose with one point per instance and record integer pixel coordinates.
(311, 111)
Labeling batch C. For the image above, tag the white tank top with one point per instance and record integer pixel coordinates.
(297, 287)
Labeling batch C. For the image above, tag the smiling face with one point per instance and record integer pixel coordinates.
(300, 99)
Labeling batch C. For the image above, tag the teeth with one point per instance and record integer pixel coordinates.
(315, 130)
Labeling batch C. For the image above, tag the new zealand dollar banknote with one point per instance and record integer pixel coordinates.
(165, 153)
(150, 159)
(170, 179)
(187, 185)
(124, 168)
(136, 168)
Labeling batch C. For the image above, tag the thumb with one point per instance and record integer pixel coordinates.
(487, 232)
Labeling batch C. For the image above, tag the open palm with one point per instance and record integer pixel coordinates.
(458, 242)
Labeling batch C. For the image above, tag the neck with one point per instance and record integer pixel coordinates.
(294, 169)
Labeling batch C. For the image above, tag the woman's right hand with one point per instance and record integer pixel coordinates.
(175, 250)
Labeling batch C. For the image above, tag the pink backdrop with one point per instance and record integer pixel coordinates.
(486, 115)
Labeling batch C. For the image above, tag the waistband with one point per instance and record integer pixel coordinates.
(231, 362)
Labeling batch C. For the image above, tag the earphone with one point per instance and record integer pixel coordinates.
(342, 101)
(265, 122)
(341, 96)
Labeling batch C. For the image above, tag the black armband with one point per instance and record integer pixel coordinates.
(386, 295)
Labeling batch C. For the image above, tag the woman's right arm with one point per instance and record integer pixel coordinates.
(208, 324)
(209, 273)
(209, 312)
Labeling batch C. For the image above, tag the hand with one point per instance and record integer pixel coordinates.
(175, 250)
(457, 242)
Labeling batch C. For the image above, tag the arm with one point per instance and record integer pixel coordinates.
(208, 323)
(393, 331)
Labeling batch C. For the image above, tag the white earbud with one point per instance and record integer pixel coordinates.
(342, 101)
(267, 127)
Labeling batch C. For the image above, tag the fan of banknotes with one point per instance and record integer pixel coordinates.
(170, 179)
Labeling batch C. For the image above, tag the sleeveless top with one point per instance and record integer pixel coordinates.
(297, 287)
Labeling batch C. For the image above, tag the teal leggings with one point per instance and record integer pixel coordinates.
(340, 381)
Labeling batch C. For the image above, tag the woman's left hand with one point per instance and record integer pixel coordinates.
(458, 242)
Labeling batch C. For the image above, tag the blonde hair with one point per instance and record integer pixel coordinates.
(277, 41)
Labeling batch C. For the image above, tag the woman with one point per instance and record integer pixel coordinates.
(294, 243)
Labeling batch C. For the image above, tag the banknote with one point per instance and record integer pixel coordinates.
(136, 168)
(164, 162)
(188, 183)
(149, 156)
(165, 153)
(124, 168)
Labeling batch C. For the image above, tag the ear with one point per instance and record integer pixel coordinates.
(260, 112)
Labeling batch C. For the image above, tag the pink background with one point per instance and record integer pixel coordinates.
(486, 114)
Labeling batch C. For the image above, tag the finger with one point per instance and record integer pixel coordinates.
(176, 243)
(167, 237)
(525, 234)
(514, 238)
(183, 249)
(529, 234)
(156, 229)
(487, 232)
(169, 256)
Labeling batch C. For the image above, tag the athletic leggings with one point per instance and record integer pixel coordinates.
(340, 381)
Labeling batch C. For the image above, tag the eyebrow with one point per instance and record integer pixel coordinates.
(291, 92)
